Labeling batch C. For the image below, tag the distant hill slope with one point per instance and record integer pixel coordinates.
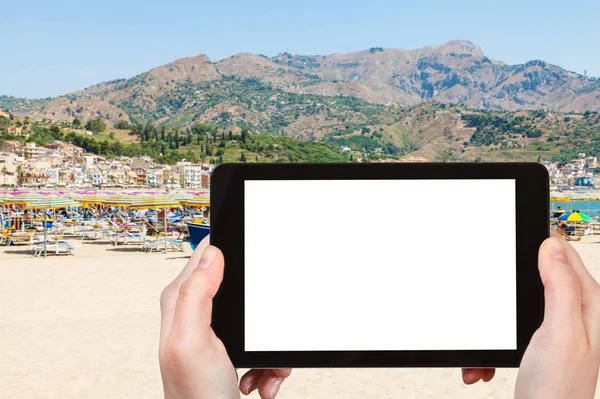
(192, 89)
(22, 106)
(417, 102)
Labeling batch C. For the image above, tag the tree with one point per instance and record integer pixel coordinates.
(243, 157)
(76, 123)
(19, 175)
(201, 128)
(123, 125)
(244, 135)
(96, 125)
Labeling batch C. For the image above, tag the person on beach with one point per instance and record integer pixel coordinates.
(561, 361)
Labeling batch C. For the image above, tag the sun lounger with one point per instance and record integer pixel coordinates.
(126, 237)
(159, 244)
(16, 238)
(53, 248)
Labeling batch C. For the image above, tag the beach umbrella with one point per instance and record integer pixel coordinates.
(156, 204)
(53, 203)
(94, 199)
(575, 217)
(118, 200)
(199, 200)
(22, 199)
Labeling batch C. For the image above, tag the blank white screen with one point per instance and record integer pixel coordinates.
(380, 265)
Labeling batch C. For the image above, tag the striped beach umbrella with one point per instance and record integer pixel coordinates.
(575, 217)
(53, 203)
(94, 199)
(199, 200)
(156, 203)
(22, 199)
(121, 200)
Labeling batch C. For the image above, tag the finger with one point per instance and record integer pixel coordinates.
(269, 384)
(169, 295)
(282, 373)
(488, 374)
(193, 261)
(590, 296)
(193, 309)
(587, 283)
(561, 286)
(249, 381)
(471, 376)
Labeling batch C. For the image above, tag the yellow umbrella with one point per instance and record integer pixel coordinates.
(200, 200)
(156, 203)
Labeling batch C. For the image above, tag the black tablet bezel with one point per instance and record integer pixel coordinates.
(227, 233)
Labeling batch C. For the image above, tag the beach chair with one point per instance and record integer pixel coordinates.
(5, 239)
(15, 238)
(126, 237)
(159, 244)
(53, 248)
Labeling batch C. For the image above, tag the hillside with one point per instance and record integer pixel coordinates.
(432, 131)
(447, 102)
(255, 89)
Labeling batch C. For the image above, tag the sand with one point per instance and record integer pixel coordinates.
(86, 326)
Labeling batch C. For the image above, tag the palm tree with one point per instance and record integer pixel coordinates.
(19, 175)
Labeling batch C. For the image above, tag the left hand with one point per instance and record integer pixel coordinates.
(193, 361)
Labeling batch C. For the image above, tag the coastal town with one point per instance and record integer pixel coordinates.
(23, 163)
(61, 164)
(65, 165)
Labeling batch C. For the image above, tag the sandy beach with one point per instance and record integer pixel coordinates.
(86, 326)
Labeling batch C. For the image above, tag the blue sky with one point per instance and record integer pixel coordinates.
(51, 48)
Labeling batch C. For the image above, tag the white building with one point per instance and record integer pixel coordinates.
(155, 177)
(31, 151)
(53, 175)
(188, 174)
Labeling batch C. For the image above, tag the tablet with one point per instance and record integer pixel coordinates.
(379, 265)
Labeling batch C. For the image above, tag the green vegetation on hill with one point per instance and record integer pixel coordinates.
(22, 105)
(561, 136)
(432, 130)
(201, 143)
(254, 104)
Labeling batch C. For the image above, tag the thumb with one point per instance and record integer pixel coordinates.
(193, 309)
(562, 292)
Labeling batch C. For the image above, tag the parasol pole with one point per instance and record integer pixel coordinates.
(165, 222)
(45, 233)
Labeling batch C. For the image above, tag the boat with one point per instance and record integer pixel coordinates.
(198, 231)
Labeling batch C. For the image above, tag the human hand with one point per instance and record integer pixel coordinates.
(563, 357)
(193, 361)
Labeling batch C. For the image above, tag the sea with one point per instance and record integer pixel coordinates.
(590, 208)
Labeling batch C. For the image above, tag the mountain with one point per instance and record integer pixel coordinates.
(319, 96)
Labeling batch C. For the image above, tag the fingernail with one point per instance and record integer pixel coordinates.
(208, 257)
(275, 387)
(556, 249)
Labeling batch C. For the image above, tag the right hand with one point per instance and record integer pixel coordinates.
(563, 357)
